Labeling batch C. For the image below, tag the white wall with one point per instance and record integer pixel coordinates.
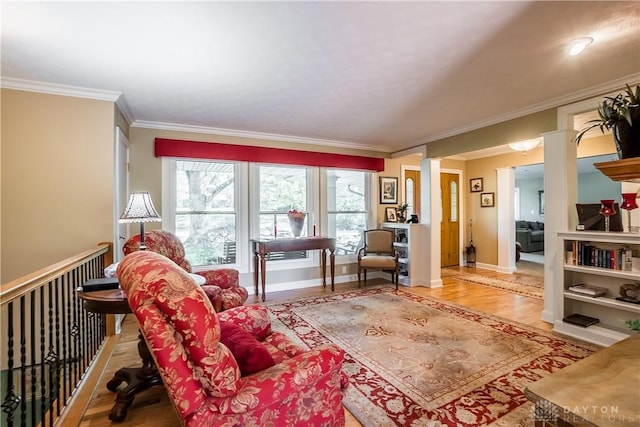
(594, 186)
(529, 209)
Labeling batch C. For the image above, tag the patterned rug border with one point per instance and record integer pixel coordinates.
(284, 312)
(527, 289)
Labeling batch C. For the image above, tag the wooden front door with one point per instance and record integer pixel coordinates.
(450, 226)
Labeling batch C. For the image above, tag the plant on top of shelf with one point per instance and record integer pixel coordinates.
(402, 212)
(621, 115)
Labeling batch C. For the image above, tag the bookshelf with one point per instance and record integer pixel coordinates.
(611, 312)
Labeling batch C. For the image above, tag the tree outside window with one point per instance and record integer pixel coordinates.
(346, 207)
(205, 219)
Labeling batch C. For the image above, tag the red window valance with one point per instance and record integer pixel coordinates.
(249, 153)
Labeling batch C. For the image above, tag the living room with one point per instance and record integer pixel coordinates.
(60, 179)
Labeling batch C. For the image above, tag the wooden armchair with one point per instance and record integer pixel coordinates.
(378, 253)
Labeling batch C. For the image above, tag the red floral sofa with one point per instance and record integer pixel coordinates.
(222, 285)
(202, 355)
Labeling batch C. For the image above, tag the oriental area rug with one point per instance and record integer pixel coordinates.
(518, 285)
(418, 361)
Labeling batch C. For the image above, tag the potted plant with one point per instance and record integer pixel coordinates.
(621, 115)
(402, 212)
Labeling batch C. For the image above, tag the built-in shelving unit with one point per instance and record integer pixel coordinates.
(409, 242)
(611, 312)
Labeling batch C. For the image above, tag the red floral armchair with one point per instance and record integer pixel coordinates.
(202, 363)
(222, 285)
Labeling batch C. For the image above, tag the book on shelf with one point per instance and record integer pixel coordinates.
(588, 255)
(590, 290)
(581, 320)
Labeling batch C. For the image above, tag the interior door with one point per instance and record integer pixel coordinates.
(122, 192)
(450, 226)
(412, 191)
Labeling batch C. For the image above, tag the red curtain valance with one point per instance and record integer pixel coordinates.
(248, 153)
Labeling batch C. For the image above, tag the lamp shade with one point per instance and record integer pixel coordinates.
(140, 209)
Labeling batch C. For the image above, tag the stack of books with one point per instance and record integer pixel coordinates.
(589, 290)
(581, 320)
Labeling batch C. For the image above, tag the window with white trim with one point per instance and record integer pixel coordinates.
(347, 201)
(216, 207)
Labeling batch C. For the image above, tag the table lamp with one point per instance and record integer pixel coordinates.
(606, 210)
(140, 209)
(629, 204)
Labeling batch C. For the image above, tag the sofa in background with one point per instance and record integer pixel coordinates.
(530, 235)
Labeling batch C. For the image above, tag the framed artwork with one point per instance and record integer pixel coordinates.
(388, 191)
(475, 184)
(487, 200)
(391, 215)
(541, 202)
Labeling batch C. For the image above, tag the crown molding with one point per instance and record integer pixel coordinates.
(536, 108)
(255, 135)
(58, 89)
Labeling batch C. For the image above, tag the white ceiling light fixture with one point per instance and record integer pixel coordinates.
(526, 145)
(578, 45)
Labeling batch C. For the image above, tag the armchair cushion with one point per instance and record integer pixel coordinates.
(251, 355)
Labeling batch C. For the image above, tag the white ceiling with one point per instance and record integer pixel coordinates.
(379, 75)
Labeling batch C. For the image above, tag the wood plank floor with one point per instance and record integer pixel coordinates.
(153, 408)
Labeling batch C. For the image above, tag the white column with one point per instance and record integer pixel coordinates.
(506, 220)
(560, 194)
(431, 212)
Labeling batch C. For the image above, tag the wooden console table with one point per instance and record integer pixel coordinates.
(600, 390)
(261, 247)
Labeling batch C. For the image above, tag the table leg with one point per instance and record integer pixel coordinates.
(332, 261)
(255, 271)
(137, 379)
(263, 273)
(323, 267)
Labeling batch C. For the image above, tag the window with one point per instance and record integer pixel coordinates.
(216, 207)
(205, 211)
(347, 201)
(282, 189)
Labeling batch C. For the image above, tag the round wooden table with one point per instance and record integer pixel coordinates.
(139, 379)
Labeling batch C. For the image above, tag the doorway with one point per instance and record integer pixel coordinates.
(450, 225)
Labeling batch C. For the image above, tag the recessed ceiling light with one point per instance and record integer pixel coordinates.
(578, 45)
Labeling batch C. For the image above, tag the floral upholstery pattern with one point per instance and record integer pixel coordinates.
(222, 285)
(201, 376)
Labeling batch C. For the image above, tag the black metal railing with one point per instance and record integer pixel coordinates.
(51, 339)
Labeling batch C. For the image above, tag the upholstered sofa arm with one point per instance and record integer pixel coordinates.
(253, 318)
(224, 278)
(302, 374)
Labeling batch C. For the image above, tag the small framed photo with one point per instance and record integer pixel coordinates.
(487, 200)
(388, 191)
(391, 215)
(475, 185)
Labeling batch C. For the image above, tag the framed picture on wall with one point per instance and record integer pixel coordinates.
(388, 191)
(541, 202)
(487, 200)
(391, 215)
(475, 185)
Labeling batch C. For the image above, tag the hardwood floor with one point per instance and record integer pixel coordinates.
(153, 408)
